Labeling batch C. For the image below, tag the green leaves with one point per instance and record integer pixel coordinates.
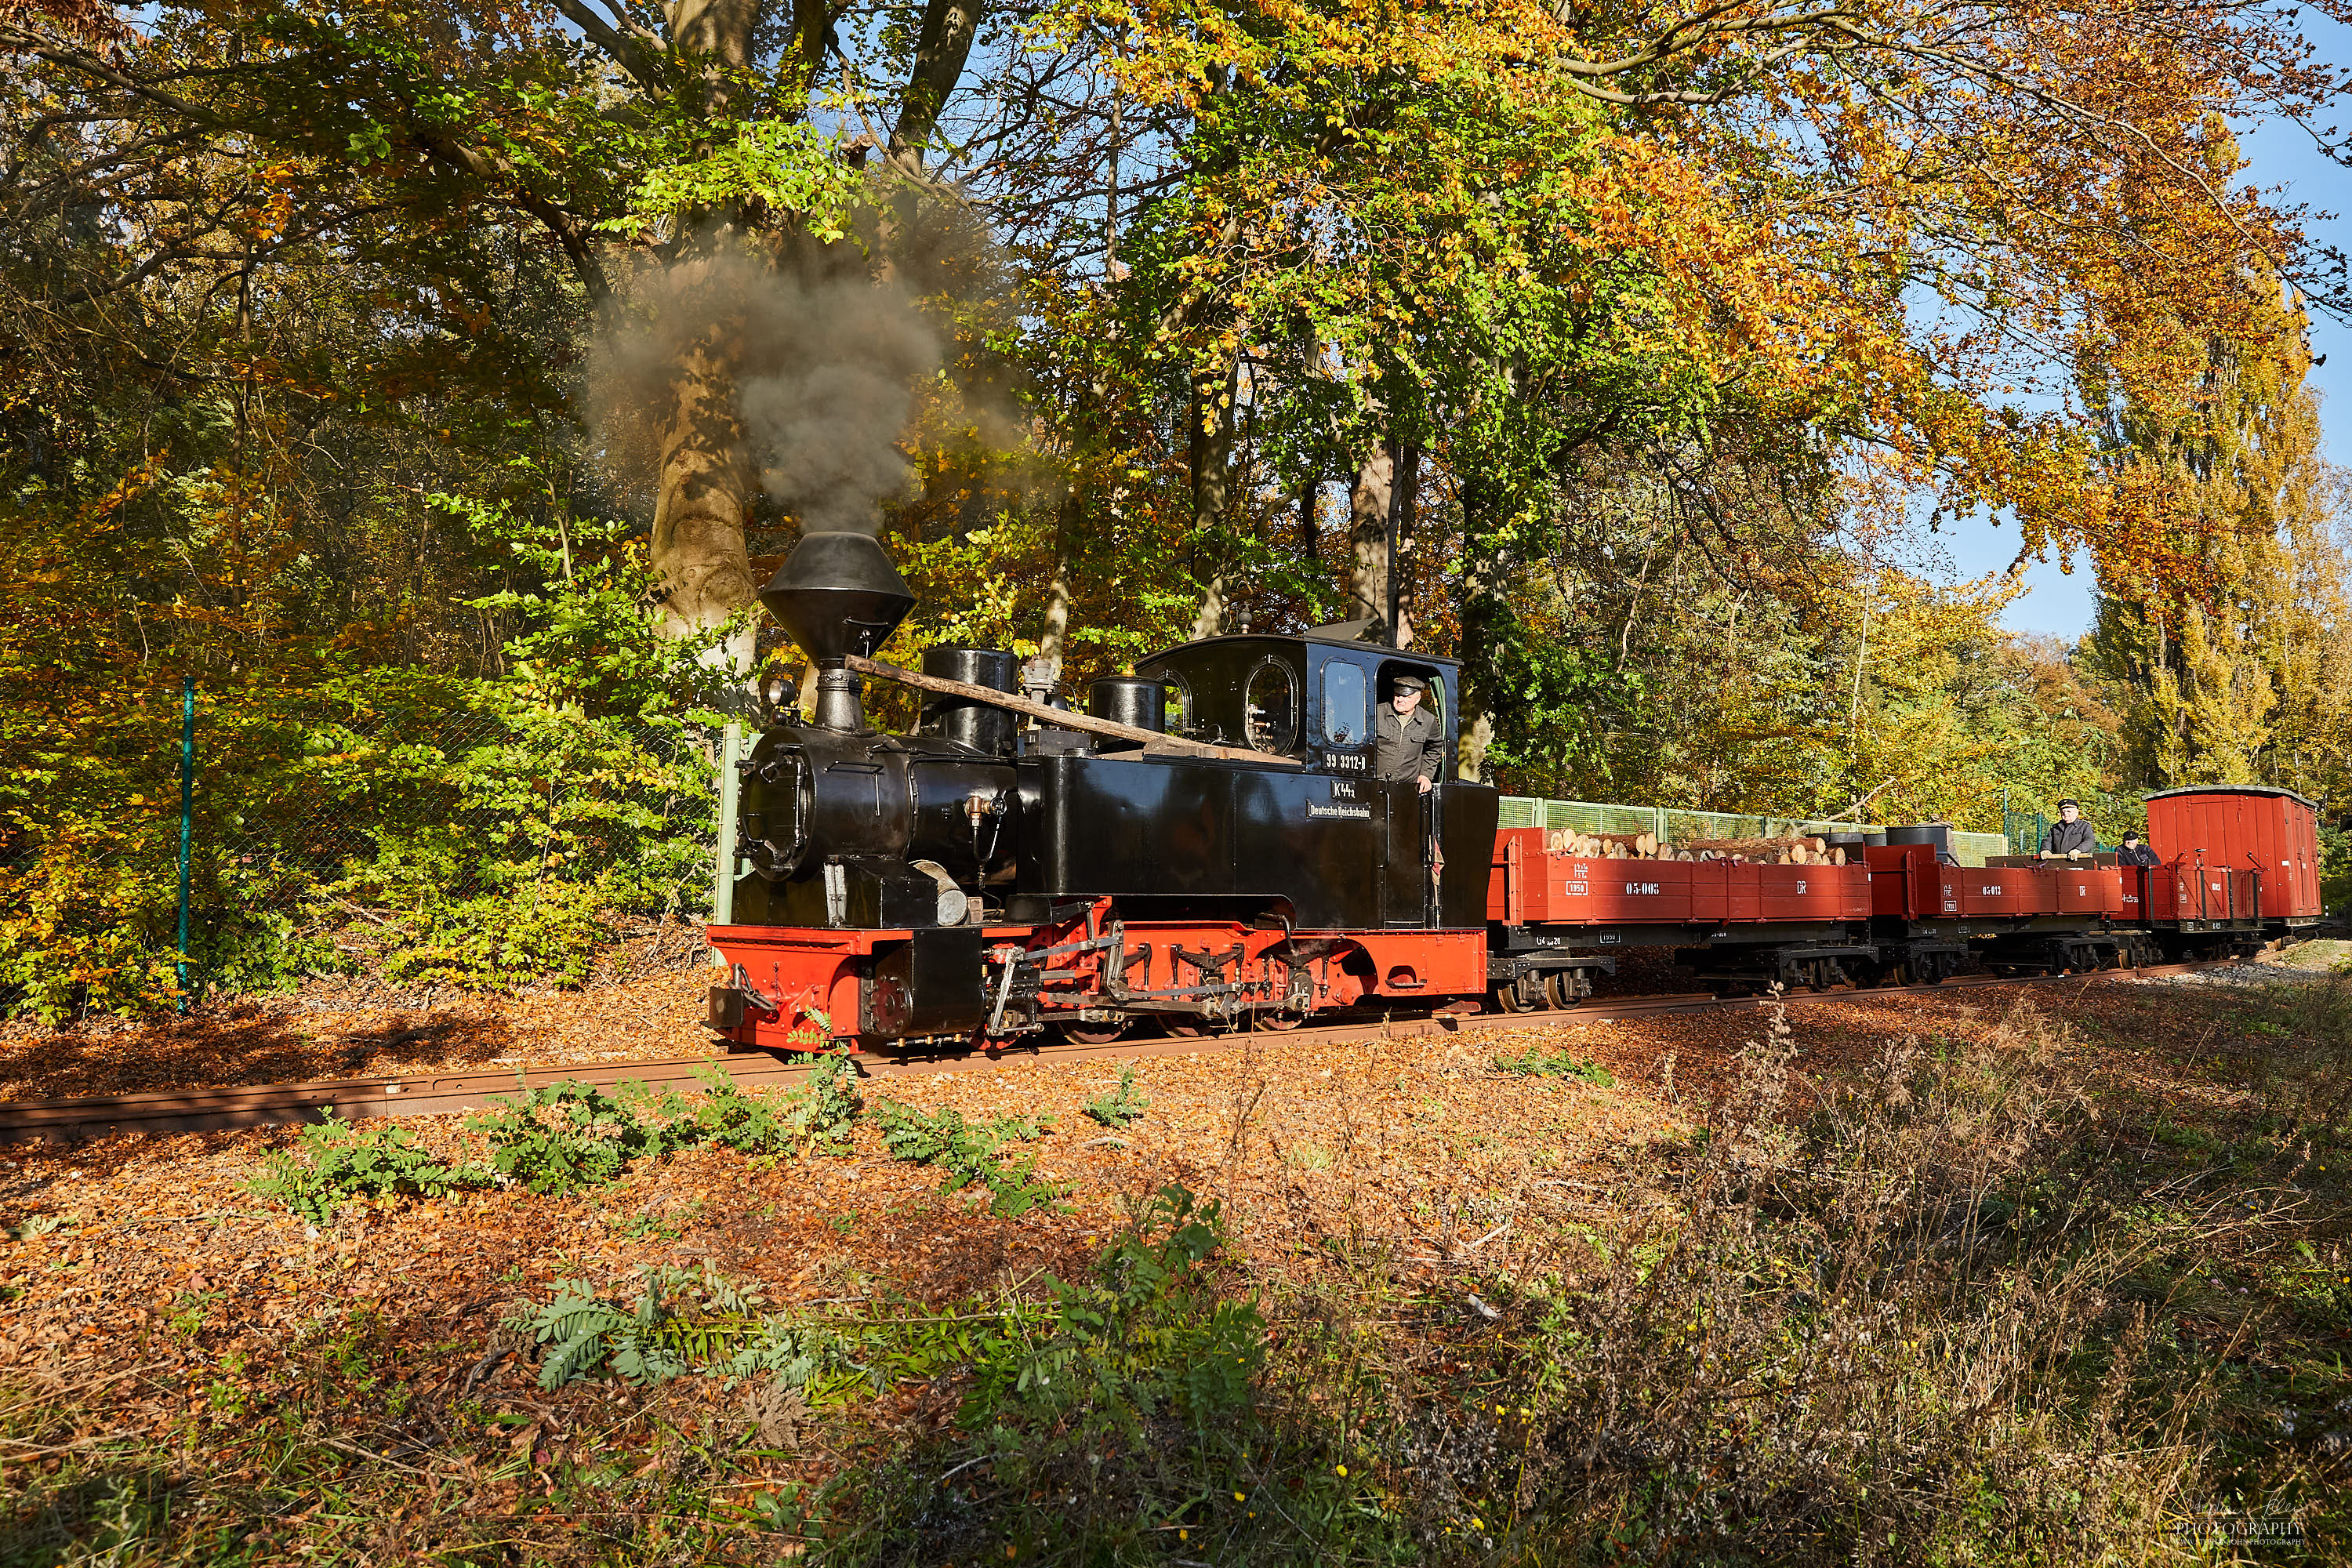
(1123, 1104)
(572, 1134)
(680, 1322)
(1537, 1062)
(971, 1155)
(781, 165)
(336, 1162)
(563, 1136)
(1149, 1334)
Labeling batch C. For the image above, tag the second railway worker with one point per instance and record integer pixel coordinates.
(2070, 834)
(1411, 744)
(2134, 852)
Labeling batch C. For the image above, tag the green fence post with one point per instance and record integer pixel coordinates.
(187, 817)
(722, 880)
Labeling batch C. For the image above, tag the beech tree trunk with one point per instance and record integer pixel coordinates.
(1368, 534)
(1212, 446)
(1052, 637)
(1483, 616)
(703, 500)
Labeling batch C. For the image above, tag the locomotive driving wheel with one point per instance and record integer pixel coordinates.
(1277, 1019)
(1093, 1031)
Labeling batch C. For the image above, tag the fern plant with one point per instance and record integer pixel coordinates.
(336, 1160)
(813, 1117)
(825, 1106)
(1150, 1332)
(681, 1322)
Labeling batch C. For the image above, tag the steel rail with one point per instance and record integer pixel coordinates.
(76, 1120)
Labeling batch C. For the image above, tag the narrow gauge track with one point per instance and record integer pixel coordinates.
(437, 1094)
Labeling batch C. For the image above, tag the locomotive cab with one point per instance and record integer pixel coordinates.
(1309, 697)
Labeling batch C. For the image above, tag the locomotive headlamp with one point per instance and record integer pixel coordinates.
(778, 692)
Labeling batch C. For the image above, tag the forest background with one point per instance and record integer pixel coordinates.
(426, 386)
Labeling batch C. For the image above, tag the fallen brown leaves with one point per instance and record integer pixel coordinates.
(149, 1290)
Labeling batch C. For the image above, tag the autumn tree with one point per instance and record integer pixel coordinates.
(2234, 670)
(1508, 239)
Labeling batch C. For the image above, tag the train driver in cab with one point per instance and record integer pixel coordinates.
(2134, 852)
(1410, 746)
(2070, 836)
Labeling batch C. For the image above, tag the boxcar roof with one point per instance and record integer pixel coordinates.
(2235, 789)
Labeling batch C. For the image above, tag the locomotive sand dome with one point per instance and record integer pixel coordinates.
(1208, 847)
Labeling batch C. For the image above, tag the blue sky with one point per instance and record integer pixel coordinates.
(2280, 156)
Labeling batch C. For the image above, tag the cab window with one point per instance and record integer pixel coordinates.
(1177, 713)
(1271, 706)
(1344, 708)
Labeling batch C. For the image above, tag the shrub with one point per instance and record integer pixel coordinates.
(1123, 1105)
(1118, 1416)
(1909, 1323)
(490, 943)
(971, 1155)
(566, 1135)
(337, 1161)
(815, 1116)
(1149, 1333)
(825, 1106)
(1537, 1062)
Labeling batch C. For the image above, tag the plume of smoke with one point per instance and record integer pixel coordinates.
(821, 373)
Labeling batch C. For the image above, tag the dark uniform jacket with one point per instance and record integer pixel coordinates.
(1409, 748)
(2068, 837)
(2136, 855)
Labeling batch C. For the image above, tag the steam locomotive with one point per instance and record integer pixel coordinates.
(1207, 848)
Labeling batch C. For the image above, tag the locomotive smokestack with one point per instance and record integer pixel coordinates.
(837, 594)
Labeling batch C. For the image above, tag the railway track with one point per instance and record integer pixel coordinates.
(439, 1094)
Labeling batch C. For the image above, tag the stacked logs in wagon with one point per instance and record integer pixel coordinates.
(1786, 850)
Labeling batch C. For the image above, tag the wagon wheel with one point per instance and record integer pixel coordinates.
(1506, 997)
(1561, 989)
(1093, 1032)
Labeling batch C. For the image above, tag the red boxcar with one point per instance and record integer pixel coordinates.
(2243, 827)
